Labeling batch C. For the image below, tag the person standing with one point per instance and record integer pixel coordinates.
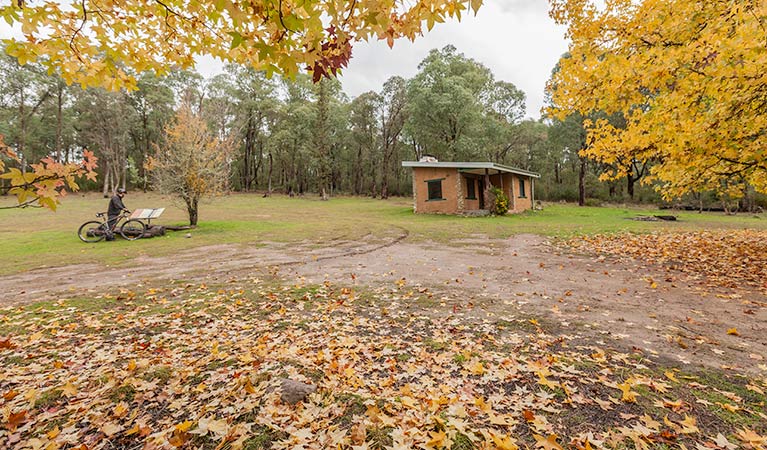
(116, 207)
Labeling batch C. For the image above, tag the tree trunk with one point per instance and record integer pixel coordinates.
(358, 172)
(191, 209)
(271, 165)
(22, 132)
(59, 120)
(124, 183)
(582, 182)
(630, 183)
(105, 189)
(385, 175)
(145, 124)
(259, 163)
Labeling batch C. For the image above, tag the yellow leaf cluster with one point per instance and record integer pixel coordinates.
(106, 48)
(686, 77)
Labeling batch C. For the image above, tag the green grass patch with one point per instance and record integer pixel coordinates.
(124, 393)
(40, 238)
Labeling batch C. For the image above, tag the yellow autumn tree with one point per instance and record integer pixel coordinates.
(98, 42)
(192, 163)
(689, 79)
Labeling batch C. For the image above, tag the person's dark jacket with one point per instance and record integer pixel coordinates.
(116, 206)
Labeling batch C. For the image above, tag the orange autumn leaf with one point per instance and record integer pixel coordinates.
(16, 419)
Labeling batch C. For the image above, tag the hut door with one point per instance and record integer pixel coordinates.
(481, 193)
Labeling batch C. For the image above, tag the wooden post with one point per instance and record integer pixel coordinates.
(532, 193)
(512, 197)
(486, 194)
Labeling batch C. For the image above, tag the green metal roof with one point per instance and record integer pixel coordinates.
(471, 166)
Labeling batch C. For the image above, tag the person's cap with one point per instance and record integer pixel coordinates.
(121, 190)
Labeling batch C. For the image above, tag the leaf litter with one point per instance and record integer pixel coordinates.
(196, 366)
(734, 259)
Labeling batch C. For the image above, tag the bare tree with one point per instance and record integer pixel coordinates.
(192, 163)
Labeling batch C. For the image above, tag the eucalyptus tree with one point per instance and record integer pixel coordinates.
(446, 104)
(293, 134)
(23, 92)
(393, 112)
(103, 124)
(153, 103)
(255, 101)
(364, 135)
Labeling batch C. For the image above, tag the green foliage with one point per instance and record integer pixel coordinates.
(459, 112)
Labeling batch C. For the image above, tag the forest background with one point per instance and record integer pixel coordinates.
(294, 136)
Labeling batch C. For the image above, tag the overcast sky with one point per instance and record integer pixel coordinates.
(516, 39)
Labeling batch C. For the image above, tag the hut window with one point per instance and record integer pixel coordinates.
(522, 187)
(435, 189)
(471, 191)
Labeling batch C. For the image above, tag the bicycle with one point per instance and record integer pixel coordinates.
(94, 230)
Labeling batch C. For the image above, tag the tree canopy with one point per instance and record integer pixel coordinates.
(688, 79)
(99, 43)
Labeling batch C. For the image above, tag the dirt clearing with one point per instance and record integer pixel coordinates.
(648, 309)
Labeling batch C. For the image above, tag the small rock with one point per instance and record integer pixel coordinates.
(188, 235)
(293, 391)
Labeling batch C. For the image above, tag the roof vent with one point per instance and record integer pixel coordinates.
(428, 159)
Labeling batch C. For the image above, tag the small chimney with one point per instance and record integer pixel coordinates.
(428, 159)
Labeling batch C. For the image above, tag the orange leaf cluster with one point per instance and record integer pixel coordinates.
(722, 258)
(47, 181)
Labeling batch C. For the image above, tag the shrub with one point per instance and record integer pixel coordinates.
(499, 202)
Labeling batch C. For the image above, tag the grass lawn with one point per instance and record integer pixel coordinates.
(36, 238)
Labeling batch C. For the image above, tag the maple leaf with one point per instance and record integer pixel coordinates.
(722, 442)
(504, 442)
(437, 440)
(6, 344)
(689, 425)
(16, 419)
(110, 429)
(670, 375)
(733, 332)
(628, 396)
(69, 390)
(748, 436)
(477, 368)
(547, 443)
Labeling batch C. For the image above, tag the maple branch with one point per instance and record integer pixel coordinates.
(77, 32)
(279, 12)
(168, 12)
(27, 204)
(351, 11)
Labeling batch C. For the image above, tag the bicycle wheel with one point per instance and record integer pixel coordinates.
(92, 231)
(133, 229)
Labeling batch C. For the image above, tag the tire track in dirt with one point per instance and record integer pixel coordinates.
(195, 263)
